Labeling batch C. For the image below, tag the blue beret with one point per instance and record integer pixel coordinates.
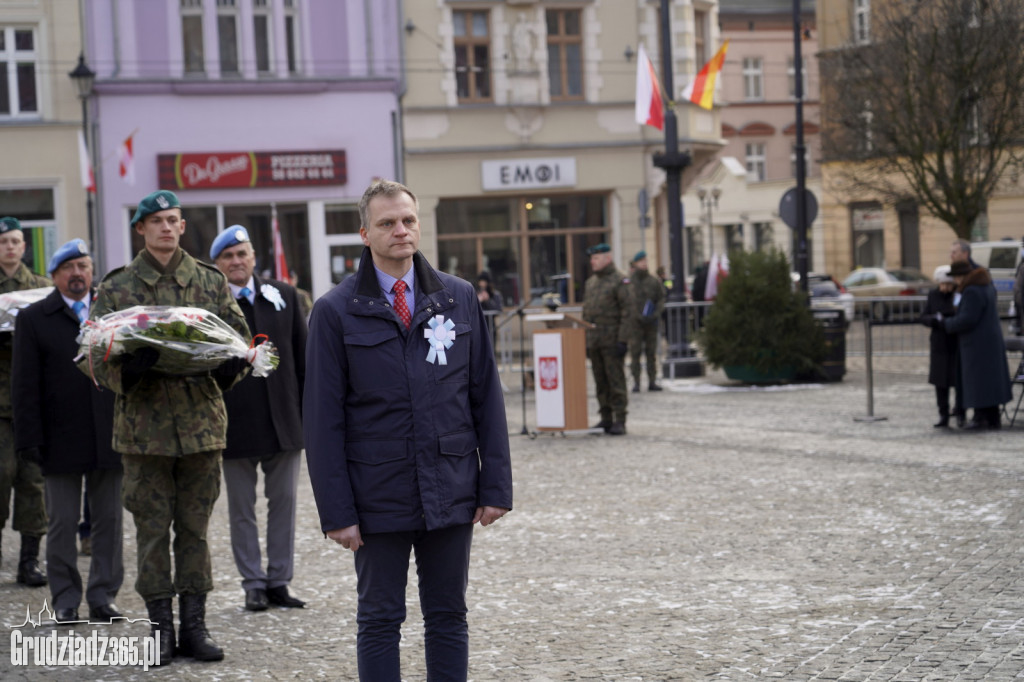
(236, 234)
(76, 248)
(161, 200)
(7, 224)
(598, 248)
(640, 255)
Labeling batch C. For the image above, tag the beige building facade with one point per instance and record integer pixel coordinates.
(520, 135)
(863, 231)
(757, 165)
(40, 118)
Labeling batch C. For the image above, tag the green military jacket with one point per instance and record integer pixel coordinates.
(22, 279)
(646, 288)
(608, 304)
(163, 415)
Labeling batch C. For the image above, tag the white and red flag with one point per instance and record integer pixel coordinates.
(281, 273)
(649, 108)
(84, 166)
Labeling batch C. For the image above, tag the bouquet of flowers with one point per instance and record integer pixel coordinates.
(11, 303)
(190, 341)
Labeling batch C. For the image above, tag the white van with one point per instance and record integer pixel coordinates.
(1001, 258)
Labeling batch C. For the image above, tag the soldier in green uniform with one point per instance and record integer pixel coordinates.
(649, 297)
(170, 430)
(24, 477)
(608, 304)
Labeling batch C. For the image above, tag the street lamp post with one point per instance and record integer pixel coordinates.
(709, 202)
(83, 78)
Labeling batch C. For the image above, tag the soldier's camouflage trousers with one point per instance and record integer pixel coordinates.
(644, 341)
(610, 381)
(161, 491)
(26, 480)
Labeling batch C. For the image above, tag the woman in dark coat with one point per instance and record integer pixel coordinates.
(942, 359)
(985, 377)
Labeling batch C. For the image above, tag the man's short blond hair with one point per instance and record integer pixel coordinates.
(382, 188)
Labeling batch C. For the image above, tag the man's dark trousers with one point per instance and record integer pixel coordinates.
(382, 569)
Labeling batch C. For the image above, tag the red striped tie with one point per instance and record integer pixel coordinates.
(401, 307)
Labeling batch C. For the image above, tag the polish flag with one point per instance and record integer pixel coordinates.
(126, 160)
(648, 98)
(718, 269)
(702, 90)
(281, 273)
(84, 167)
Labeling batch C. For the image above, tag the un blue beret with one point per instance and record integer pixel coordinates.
(76, 248)
(640, 255)
(598, 248)
(236, 234)
(7, 224)
(161, 200)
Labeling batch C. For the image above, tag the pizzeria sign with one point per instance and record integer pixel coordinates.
(243, 169)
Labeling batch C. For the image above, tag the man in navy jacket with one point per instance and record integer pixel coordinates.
(405, 433)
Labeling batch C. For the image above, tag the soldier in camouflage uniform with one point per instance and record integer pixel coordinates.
(170, 430)
(649, 297)
(608, 304)
(23, 476)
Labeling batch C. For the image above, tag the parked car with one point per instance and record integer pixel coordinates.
(1001, 259)
(881, 282)
(825, 292)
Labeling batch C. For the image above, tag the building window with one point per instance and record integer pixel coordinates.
(18, 86)
(227, 36)
(764, 236)
(472, 55)
(700, 37)
(866, 140)
(565, 53)
(753, 78)
(192, 36)
(791, 76)
(862, 21)
(755, 162)
(261, 31)
(291, 39)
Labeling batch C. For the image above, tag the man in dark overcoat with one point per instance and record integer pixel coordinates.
(405, 434)
(264, 426)
(983, 371)
(64, 422)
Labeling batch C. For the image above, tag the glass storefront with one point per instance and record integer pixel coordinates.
(34, 208)
(476, 235)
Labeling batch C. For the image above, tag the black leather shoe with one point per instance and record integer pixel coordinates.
(256, 599)
(975, 426)
(66, 615)
(942, 423)
(653, 387)
(278, 596)
(960, 419)
(617, 429)
(104, 612)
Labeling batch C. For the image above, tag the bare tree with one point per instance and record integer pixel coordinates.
(931, 106)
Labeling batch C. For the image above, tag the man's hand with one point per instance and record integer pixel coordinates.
(134, 365)
(231, 368)
(485, 516)
(349, 538)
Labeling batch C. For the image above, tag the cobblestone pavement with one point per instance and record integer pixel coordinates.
(733, 534)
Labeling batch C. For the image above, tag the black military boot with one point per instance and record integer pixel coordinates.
(652, 386)
(28, 565)
(636, 387)
(161, 615)
(193, 638)
(604, 424)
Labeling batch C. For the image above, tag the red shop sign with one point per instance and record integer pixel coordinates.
(221, 170)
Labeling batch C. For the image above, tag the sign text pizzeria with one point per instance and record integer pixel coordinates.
(223, 170)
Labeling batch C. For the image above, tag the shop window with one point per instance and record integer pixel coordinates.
(565, 54)
(764, 236)
(472, 55)
(18, 84)
(34, 208)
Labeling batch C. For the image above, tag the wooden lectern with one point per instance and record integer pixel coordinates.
(560, 372)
